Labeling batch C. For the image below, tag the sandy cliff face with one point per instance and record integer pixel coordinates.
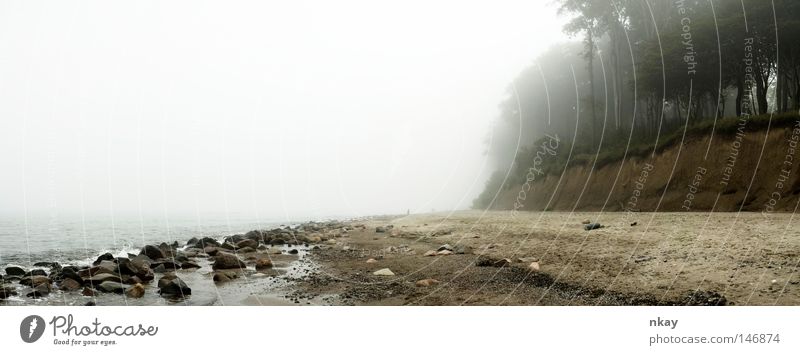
(754, 171)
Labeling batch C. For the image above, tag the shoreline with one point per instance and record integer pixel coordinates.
(471, 258)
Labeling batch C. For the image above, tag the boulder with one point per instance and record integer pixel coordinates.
(247, 243)
(153, 252)
(135, 291)
(69, 285)
(462, 249)
(40, 291)
(133, 280)
(383, 272)
(89, 292)
(207, 242)
(104, 257)
(36, 272)
(111, 287)
(34, 281)
(189, 265)
(221, 276)
(7, 291)
(227, 261)
(210, 251)
(15, 271)
(100, 278)
(173, 286)
(263, 263)
(126, 267)
(192, 241)
(430, 253)
(245, 250)
(68, 273)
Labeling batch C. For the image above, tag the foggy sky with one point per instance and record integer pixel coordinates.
(274, 110)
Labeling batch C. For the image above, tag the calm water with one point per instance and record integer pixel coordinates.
(73, 240)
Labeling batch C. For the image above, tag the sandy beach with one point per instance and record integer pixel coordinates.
(665, 259)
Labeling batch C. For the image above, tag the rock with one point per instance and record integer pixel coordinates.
(592, 226)
(445, 247)
(104, 257)
(210, 251)
(69, 285)
(430, 253)
(227, 246)
(133, 280)
(40, 291)
(207, 242)
(427, 282)
(227, 261)
(634, 224)
(293, 251)
(153, 252)
(100, 278)
(705, 298)
(35, 281)
(380, 230)
(173, 286)
(36, 272)
(192, 241)
(383, 272)
(247, 243)
(160, 269)
(246, 250)
(462, 249)
(277, 241)
(168, 265)
(15, 271)
(90, 304)
(444, 252)
(586, 221)
(189, 265)
(111, 287)
(534, 267)
(126, 267)
(135, 291)
(89, 292)
(222, 276)
(485, 260)
(7, 291)
(371, 261)
(263, 263)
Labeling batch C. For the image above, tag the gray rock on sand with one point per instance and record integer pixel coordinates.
(592, 226)
(223, 276)
(100, 278)
(227, 261)
(247, 243)
(445, 247)
(383, 272)
(263, 264)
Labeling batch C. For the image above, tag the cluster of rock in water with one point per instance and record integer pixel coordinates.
(129, 275)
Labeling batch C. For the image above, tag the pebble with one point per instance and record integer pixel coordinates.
(383, 272)
(444, 252)
(430, 253)
(371, 261)
(427, 282)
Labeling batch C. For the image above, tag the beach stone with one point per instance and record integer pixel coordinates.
(171, 285)
(133, 280)
(247, 243)
(227, 261)
(371, 261)
(462, 249)
(189, 265)
(586, 221)
(245, 250)
(210, 251)
(39, 291)
(36, 272)
(592, 226)
(135, 291)
(445, 247)
(111, 287)
(192, 241)
(168, 265)
(444, 252)
(485, 260)
(383, 272)
(7, 291)
(380, 229)
(100, 278)
(35, 281)
(430, 253)
(104, 257)
(126, 267)
(293, 251)
(426, 282)
(89, 292)
(15, 271)
(90, 304)
(224, 276)
(160, 269)
(263, 263)
(69, 285)
(153, 252)
(534, 267)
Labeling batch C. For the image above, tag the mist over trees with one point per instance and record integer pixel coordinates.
(640, 70)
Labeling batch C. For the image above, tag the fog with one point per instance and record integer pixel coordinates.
(270, 110)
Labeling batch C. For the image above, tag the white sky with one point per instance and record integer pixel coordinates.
(263, 109)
